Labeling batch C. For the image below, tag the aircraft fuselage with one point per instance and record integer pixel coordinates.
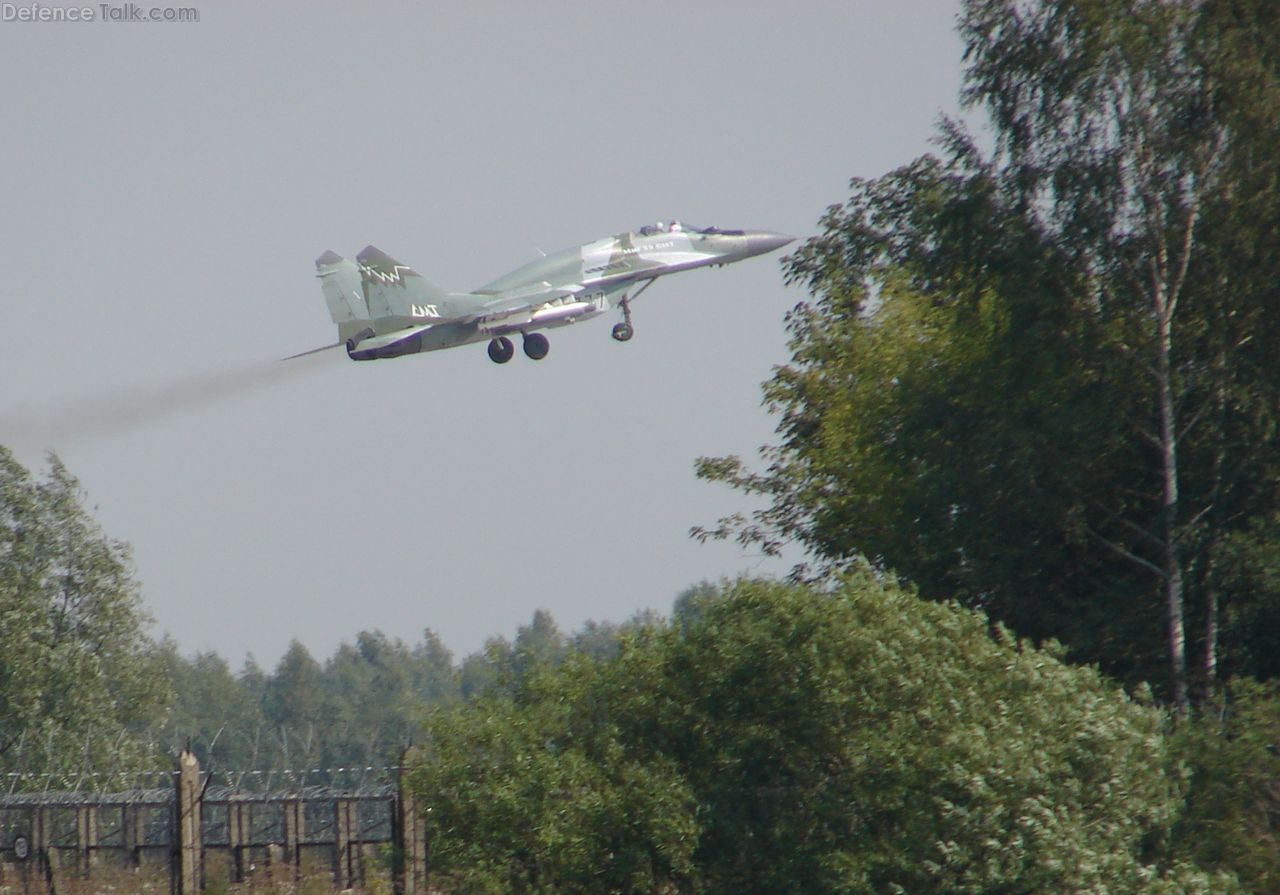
(386, 309)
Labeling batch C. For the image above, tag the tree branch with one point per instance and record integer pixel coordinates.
(1132, 557)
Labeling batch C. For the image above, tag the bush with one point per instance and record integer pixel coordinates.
(785, 740)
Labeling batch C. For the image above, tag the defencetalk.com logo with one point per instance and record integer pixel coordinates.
(102, 12)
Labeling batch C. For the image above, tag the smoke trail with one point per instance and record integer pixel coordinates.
(122, 410)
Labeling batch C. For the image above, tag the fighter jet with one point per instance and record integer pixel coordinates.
(386, 309)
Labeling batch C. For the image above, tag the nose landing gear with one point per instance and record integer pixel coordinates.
(622, 332)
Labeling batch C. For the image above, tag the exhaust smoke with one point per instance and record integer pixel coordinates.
(119, 411)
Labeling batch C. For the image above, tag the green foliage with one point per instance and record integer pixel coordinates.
(1248, 568)
(1232, 820)
(292, 696)
(486, 670)
(79, 679)
(1044, 382)
(779, 739)
(537, 644)
(523, 805)
(211, 707)
(358, 708)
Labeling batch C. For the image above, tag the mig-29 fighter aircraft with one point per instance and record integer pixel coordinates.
(385, 309)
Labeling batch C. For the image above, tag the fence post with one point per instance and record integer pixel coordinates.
(294, 833)
(409, 830)
(190, 863)
(344, 875)
(132, 833)
(237, 835)
(41, 837)
(87, 836)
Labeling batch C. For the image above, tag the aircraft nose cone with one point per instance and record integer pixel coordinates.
(761, 241)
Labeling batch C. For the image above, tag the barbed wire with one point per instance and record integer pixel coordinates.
(95, 788)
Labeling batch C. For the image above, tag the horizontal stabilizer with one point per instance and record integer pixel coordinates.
(374, 343)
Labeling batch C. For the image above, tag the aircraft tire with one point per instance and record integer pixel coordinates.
(501, 350)
(623, 332)
(536, 346)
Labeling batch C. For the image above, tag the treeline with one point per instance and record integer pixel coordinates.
(83, 688)
(358, 707)
(851, 737)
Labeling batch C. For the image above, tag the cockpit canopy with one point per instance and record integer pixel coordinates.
(681, 227)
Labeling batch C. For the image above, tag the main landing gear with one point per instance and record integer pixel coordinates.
(501, 350)
(536, 346)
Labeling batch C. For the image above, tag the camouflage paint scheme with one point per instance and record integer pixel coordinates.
(386, 309)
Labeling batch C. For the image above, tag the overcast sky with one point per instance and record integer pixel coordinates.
(165, 188)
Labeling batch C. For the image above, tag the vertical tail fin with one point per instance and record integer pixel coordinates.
(392, 289)
(340, 282)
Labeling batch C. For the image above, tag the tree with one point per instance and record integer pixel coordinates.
(1232, 818)
(1083, 267)
(293, 707)
(357, 709)
(370, 706)
(212, 710)
(1248, 579)
(486, 670)
(434, 678)
(947, 417)
(782, 739)
(503, 664)
(292, 697)
(80, 681)
(538, 643)
(516, 805)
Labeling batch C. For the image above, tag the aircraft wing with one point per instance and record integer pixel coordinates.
(522, 300)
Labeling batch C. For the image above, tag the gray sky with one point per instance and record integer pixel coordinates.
(164, 189)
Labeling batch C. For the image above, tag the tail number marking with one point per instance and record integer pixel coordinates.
(424, 311)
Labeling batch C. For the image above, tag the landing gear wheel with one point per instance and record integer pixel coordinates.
(536, 346)
(624, 330)
(501, 350)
